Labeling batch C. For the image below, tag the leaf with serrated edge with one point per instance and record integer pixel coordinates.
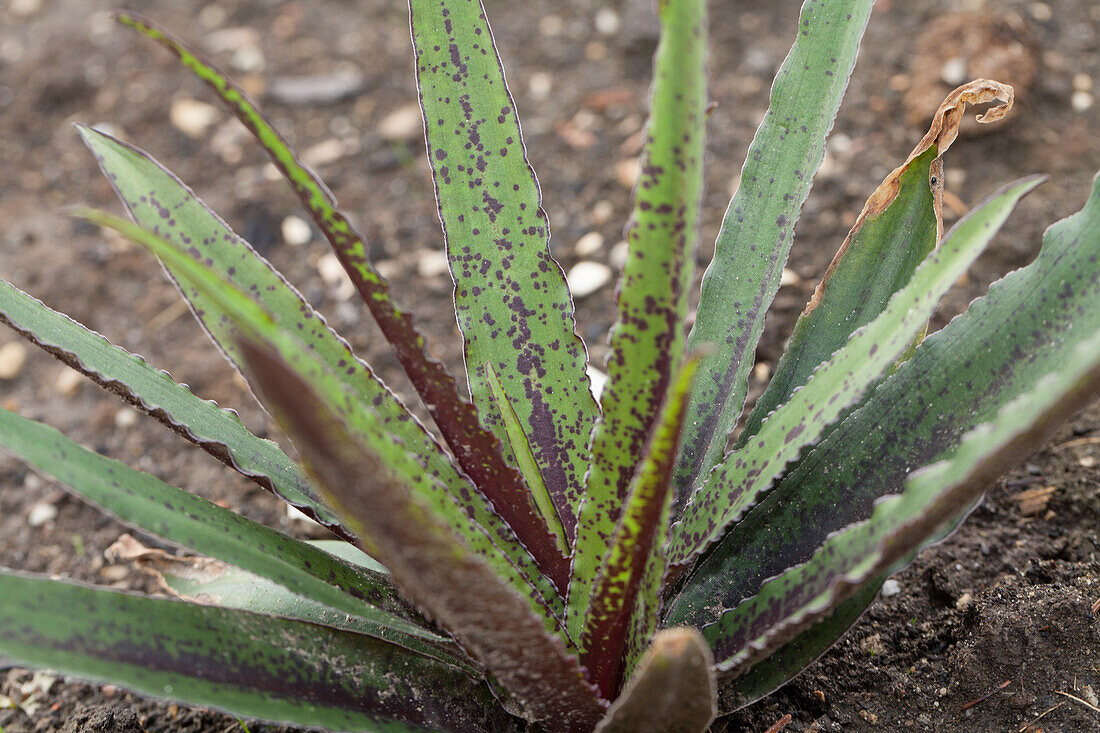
(1024, 328)
(512, 302)
(648, 338)
(477, 449)
(422, 463)
(900, 224)
(738, 482)
(213, 582)
(217, 431)
(673, 690)
(901, 523)
(190, 521)
(634, 564)
(427, 561)
(759, 225)
(202, 655)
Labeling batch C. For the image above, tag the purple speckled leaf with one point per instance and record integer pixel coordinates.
(477, 450)
(648, 338)
(512, 302)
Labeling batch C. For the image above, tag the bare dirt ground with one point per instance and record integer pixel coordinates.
(982, 633)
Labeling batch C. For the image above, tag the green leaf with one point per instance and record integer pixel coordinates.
(744, 475)
(525, 460)
(902, 523)
(876, 261)
(217, 431)
(512, 302)
(1026, 327)
(433, 567)
(786, 661)
(400, 440)
(673, 690)
(648, 338)
(900, 224)
(213, 582)
(476, 449)
(190, 521)
(629, 579)
(758, 227)
(249, 664)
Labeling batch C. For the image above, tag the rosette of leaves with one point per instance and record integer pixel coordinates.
(538, 558)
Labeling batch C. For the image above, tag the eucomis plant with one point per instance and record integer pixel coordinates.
(538, 558)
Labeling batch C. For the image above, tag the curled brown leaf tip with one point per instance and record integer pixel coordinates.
(941, 134)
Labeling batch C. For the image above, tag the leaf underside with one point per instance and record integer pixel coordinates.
(428, 562)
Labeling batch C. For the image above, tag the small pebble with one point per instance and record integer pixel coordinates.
(192, 117)
(1082, 82)
(316, 89)
(540, 85)
(626, 172)
(41, 513)
(963, 601)
(589, 244)
(789, 277)
(601, 212)
(618, 254)
(332, 272)
(607, 21)
(953, 71)
(248, 58)
(431, 263)
(296, 231)
(598, 380)
(24, 8)
(587, 277)
(1081, 101)
(402, 125)
(68, 381)
(761, 371)
(890, 588)
(1087, 462)
(1040, 12)
(127, 417)
(324, 152)
(550, 25)
(13, 356)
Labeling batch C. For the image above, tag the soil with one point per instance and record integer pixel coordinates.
(984, 632)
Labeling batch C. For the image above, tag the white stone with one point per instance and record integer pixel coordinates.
(540, 85)
(953, 71)
(890, 588)
(402, 125)
(332, 272)
(589, 244)
(13, 356)
(607, 21)
(41, 513)
(68, 381)
(598, 380)
(192, 117)
(296, 230)
(1081, 101)
(587, 277)
(127, 417)
(431, 263)
(618, 254)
